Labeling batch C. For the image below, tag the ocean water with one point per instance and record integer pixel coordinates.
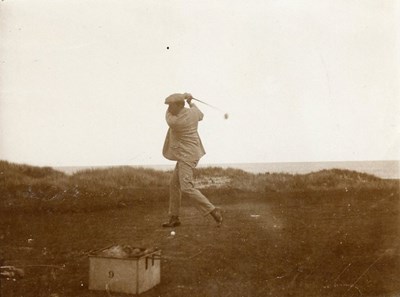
(383, 169)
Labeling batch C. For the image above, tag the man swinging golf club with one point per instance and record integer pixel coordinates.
(183, 144)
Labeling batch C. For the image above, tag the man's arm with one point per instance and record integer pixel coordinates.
(171, 119)
(193, 106)
(196, 110)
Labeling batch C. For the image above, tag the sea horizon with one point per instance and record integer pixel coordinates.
(383, 169)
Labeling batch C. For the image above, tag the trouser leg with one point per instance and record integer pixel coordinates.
(185, 174)
(174, 193)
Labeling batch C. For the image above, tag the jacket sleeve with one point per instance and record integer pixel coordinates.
(172, 120)
(197, 111)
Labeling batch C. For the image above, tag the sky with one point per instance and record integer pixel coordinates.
(83, 83)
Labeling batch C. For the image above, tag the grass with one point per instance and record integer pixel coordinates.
(337, 235)
(34, 189)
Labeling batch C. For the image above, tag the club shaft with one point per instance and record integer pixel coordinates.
(207, 104)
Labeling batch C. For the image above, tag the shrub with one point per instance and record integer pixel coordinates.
(35, 188)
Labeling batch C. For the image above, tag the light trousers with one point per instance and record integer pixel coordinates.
(182, 183)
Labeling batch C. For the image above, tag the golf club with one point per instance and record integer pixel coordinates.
(226, 115)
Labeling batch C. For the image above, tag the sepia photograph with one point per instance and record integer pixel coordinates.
(200, 148)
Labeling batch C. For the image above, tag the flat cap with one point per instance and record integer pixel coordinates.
(177, 97)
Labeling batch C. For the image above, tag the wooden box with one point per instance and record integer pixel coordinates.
(129, 274)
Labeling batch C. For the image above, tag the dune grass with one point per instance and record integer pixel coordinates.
(30, 188)
(332, 179)
(327, 233)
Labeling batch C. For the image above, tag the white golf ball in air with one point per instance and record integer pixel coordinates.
(172, 233)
